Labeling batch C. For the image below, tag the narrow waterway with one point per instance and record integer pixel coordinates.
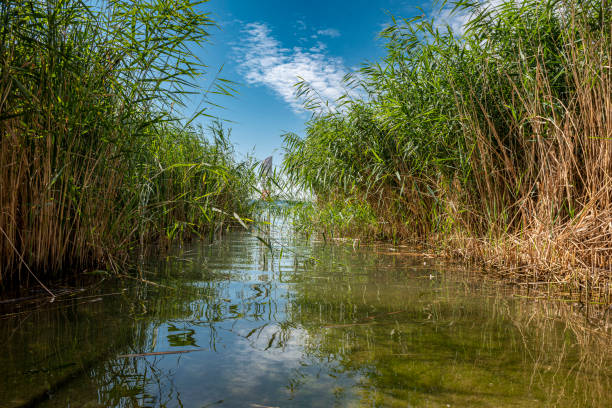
(311, 325)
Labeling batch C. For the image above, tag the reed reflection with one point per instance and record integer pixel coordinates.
(250, 321)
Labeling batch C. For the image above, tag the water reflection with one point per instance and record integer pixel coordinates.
(360, 327)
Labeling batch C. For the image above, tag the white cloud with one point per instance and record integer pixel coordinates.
(330, 32)
(459, 19)
(263, 61)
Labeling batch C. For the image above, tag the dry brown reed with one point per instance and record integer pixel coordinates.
(559, 225)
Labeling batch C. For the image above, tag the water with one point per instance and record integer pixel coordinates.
(357, 327)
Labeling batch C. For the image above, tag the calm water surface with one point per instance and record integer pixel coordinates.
(314, 326)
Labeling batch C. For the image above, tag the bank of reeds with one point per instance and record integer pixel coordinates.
(93, 162)
(492, 144)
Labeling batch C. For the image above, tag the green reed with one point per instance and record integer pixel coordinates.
(493, 143)
(93, 161)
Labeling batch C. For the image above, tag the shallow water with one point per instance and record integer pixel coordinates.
(314, 326)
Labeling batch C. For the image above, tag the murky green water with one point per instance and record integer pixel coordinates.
(362, 327)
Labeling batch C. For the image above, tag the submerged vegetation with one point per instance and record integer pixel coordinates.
(493, 144)
(94, 159)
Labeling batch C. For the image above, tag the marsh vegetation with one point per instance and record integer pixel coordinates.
(490, 144)
(95, 158)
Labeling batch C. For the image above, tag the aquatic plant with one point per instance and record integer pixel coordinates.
(93, 155)
(491, 144)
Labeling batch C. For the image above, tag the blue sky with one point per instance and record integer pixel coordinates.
(265, 45)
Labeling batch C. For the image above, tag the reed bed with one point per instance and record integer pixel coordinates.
(94, 160)
(493, 144)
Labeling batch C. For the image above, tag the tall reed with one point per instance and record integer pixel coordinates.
(92, 160)
(493, 143)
